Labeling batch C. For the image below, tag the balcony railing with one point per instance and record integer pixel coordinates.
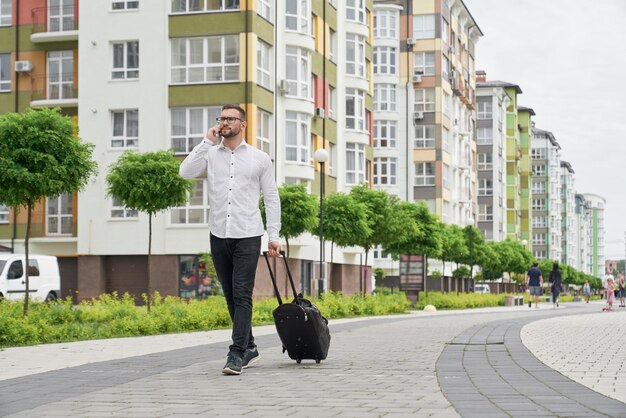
(57, 89)
(54, 19)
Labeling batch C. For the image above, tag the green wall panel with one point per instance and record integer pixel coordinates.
(206, 94)
(263, 28)
(207, 24)
(7, 39)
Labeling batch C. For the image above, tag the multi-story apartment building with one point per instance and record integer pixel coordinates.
(583, 235)
(570, 253)
(596, 234)
(546, 196)
(153, 75)
(524, 118)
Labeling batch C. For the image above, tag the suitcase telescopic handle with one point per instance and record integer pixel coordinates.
(293, 287)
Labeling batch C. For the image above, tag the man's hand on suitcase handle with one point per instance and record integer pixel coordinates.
(274, 249)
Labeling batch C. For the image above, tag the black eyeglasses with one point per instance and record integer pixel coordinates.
(229, 119)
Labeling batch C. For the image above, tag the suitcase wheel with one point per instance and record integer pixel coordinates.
(318, 361)
(298, 360)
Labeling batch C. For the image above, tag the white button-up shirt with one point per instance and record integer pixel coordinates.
(235, 180)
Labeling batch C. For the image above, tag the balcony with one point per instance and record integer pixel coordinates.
(54, 90)
(54, 24)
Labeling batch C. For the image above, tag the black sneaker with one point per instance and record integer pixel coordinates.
(529, 304)
(234, 363)
(250, 357)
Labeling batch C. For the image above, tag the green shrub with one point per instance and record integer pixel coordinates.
(459, 301)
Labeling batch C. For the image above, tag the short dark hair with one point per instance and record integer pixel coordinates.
(242, 112)
(535, 264)
(555, 266)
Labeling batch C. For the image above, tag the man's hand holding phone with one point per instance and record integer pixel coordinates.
(213, 134)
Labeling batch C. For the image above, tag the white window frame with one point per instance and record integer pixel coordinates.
(124, 140)
(423, 26)
(424, 136)
(125, 71)
(120, 5)
(332, 103)
(385, 133)
(538, 186)
(60, 216)
(485, 109)
(424, 173)
(424, 100)
(539, 154)
(5, 72)
(301, 141)
(385, 171)
(4, 214)
(538, 170)
(195, 70)
(539, 239)
(539, 204)
(61, 17)
(385, 60)
(445, 139)
(223, 7)
(264, 9)
(298, 72)
(355, 163)
(332, 45)
(121, 212)
(355, 55)
(6, 12)
(332, 159)
(385, 97)
(446, 176)
(192, 134)
(355, 11)
(264, 64)
(485, 213)
(264, 131)
(484, 136)
(540, 222)
(445, 31)
(485, 161)
(424, 62)
(60, 79)
(379, 254)
(300, 19)
(385, 24)
(200, 185)
(485, 187)
(355, 121)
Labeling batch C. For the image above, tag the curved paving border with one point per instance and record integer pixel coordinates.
(486, 371)
(588, 350)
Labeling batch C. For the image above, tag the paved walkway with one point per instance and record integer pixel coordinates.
(393, 366)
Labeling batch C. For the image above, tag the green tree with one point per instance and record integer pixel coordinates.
(491, 263)
(453, 247)
(475, 243)
(148, 182)
(40, 155)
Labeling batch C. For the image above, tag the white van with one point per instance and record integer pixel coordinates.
(43, 277)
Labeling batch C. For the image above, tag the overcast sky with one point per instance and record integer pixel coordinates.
(569, 58)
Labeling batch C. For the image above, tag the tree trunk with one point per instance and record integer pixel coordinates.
(287, 242)
(29, 206)
(149, 300)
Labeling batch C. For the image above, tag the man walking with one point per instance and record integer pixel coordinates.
(236, 175)
(534, 283)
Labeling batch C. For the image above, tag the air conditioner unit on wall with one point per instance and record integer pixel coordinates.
(418, 115)
(283, 87)
(320, 112)
(417, 78)
(23, 66)
(410, 41)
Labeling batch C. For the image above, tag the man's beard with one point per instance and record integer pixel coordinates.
(230, 133)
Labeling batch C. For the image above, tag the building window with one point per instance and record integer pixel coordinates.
(6, 12)
(263, 67)
(385, 171)
(445, 139)
(298, 138)
(384, 60)
(539, 170)
(355, 10)
(384, 97)
(385, 22)
(538, 154)
(125, 126)
(60, 75)
(355, 163)
(5, 72)
(539, 186)
(59, 215)
(379, 253)
(332, 102)
(332, 45)
(445, 31)
(425, 174)
(425, 136)
(485, 109)
(4, 214)
(385, 133)
(485, 213)
(298, 72)
(485, 161)
(445, 68)
(264, 9)
(424, 63)
(297, 15)
(540, 255)
(355, 109)
(125, 60)
(424, 26)
(446, 175)
(119, 211)
(192, 6)
(539, 239)
(205, 60)
(125, 5)
(263, 132)
(189, 126)
(61, 16)
(332, 156)
(355, 55)
(484, 136)
(540, 222)
(424, 100)
(539, 204)
(196, 210)
(485, 187)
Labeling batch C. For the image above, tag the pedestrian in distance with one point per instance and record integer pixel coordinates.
(610, 297)
(587, 291)
(236, 176)
(555, 284)
(622, 291)
(534, 283)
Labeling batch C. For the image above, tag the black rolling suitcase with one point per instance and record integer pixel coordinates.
(301, 327)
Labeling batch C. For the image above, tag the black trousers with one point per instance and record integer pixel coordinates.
(235, 261)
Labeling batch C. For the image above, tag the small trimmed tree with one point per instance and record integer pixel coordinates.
(148, 182)
(40, 155)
